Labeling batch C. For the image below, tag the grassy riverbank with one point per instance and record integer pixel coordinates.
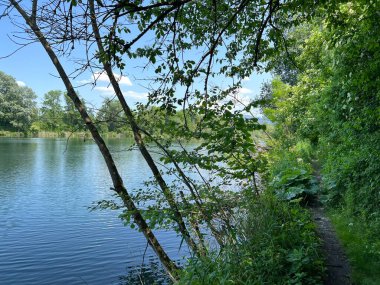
(11, 134)
(63, 134)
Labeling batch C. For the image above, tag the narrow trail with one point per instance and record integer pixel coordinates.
(337, 265)
(338, 269)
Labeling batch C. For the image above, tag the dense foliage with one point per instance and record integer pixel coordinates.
(323, 103)
(277, 244)
(17, 105)
(331, 107)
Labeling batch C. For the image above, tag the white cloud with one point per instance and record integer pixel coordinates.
(239, 100)
(102, 77)
(85, 81)
(20, 83)
(105, 90)
(240, 97)
(123, 80)
(242, 100)
(246, 78)
(136, 95)
(243, 91)
(108, 91)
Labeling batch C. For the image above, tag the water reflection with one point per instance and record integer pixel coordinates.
(151, 273)
(47, 234)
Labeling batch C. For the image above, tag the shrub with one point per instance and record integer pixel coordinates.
(277, 244)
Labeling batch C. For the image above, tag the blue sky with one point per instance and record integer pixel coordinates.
(31, 66)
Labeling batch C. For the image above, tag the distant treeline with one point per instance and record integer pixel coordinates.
(19, 112)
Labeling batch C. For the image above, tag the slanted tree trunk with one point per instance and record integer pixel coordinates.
(118, 184)
(139, 140)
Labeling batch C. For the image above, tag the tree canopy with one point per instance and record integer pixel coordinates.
(17, 105)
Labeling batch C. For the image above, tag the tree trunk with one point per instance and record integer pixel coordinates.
(119, 187)
(138, 138)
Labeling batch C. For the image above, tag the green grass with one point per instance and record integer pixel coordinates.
(11, 134)
(276, 244)
(361, 240)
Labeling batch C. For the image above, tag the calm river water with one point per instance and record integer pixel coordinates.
(47, 233)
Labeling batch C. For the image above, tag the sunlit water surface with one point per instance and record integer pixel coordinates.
(47, 233)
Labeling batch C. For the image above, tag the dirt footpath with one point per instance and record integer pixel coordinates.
(338, 267)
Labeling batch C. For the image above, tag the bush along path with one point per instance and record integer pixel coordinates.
(338, 269)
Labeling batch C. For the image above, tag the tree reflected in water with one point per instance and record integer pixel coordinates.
(150, 273)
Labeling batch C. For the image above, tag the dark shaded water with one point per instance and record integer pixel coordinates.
(48, 235)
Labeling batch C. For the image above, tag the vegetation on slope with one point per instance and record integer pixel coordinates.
(331, 106)
(276, 244)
